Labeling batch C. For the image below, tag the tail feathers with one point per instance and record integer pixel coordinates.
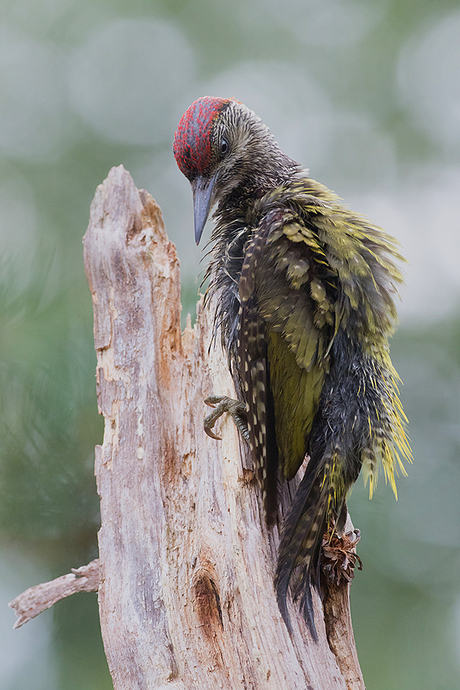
(301, 540)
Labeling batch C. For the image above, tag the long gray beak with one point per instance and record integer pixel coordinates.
(202, 188)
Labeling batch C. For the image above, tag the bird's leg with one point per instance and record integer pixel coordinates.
(221, 404)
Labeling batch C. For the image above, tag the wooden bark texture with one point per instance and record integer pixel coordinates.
(186, 596)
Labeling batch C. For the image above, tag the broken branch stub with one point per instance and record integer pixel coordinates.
(38, 598)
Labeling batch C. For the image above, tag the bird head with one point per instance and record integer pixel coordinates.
(221, 145)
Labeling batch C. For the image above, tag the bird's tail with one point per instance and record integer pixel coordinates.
(317, 498)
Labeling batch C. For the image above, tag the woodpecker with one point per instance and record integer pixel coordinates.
(305, 306)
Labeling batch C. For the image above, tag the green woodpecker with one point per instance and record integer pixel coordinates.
(305, 307)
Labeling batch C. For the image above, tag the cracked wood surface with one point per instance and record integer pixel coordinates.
(186, 597)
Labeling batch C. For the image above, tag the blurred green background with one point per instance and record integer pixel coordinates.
(364, 92)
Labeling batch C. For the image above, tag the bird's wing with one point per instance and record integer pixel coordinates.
(310, 268)
(286, 325)
(295, 292)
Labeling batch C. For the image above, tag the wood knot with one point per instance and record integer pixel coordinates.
(207, 602)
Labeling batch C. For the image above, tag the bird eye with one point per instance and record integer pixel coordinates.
(223, 147)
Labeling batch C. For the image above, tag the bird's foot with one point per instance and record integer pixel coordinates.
(339, 557)
(221, 404)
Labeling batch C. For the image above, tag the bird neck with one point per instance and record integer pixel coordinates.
(236, 209)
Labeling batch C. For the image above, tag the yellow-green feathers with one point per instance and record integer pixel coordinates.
(315, 269)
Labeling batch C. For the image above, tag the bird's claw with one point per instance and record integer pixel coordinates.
(219, 408)
(221, 404)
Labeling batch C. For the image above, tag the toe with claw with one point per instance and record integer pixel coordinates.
(221, 404)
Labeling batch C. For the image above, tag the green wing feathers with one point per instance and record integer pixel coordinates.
(315, 269)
